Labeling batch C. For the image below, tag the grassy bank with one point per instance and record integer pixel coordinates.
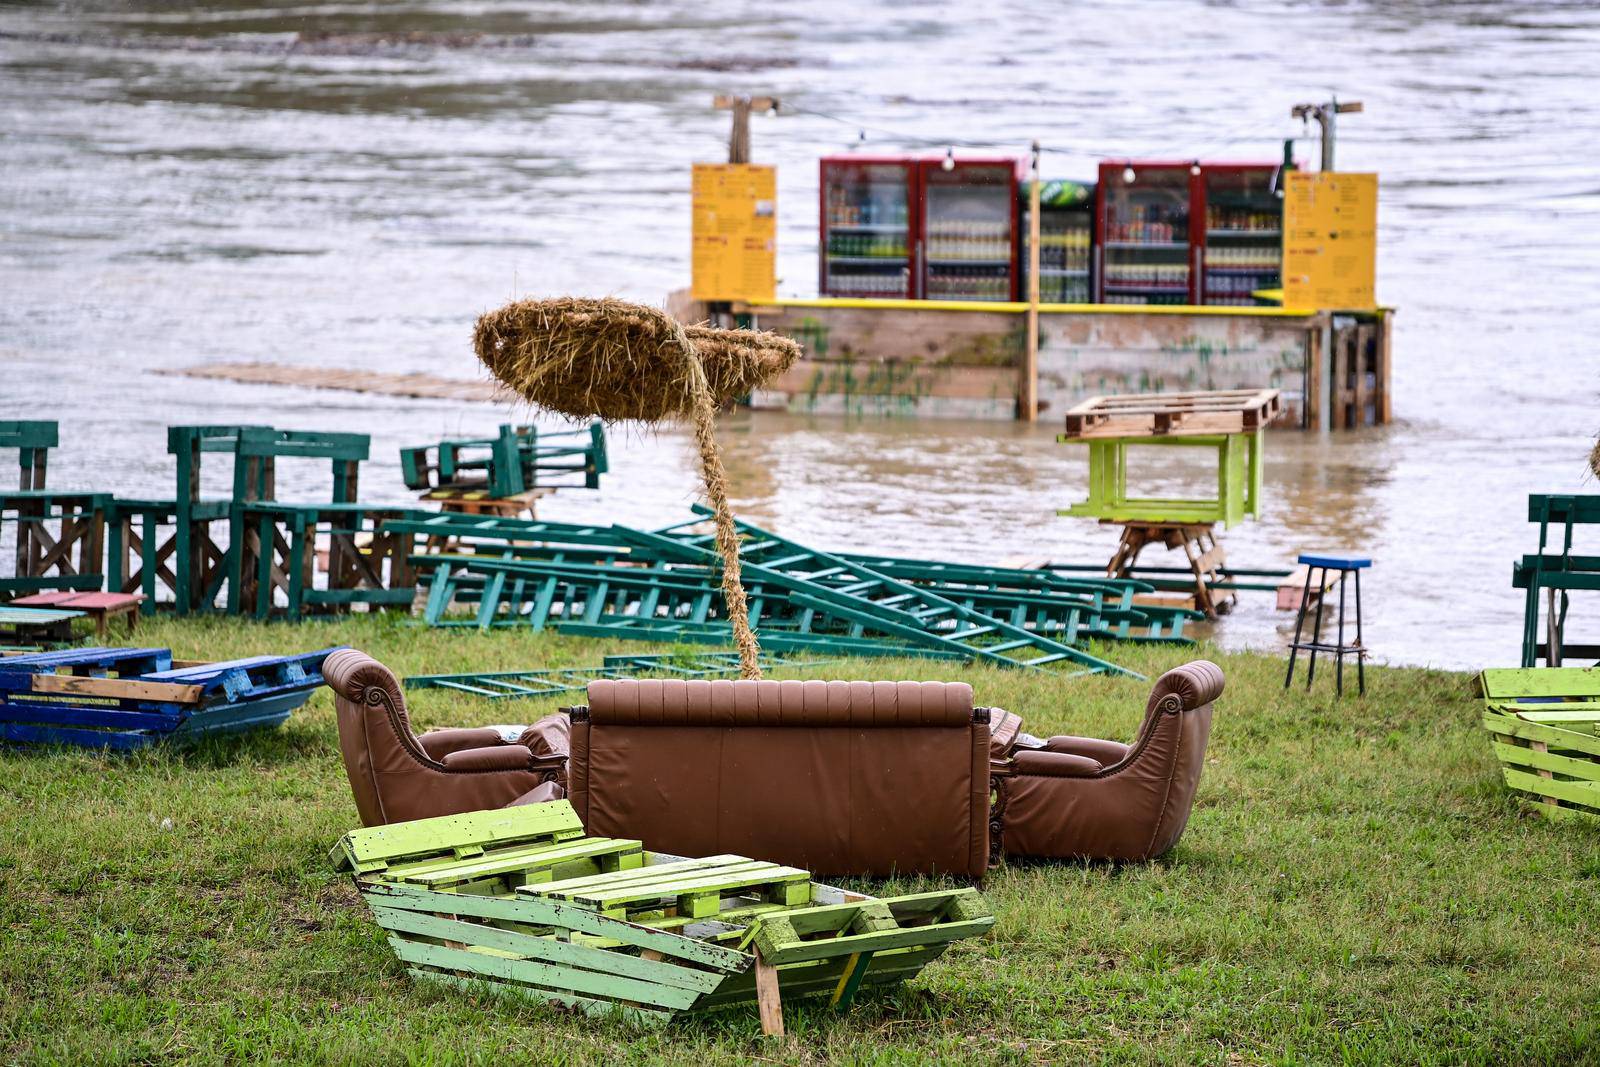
(1355, 885)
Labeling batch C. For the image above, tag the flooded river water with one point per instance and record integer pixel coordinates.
(184, 186)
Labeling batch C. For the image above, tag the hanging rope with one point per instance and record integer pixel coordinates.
(703, 418)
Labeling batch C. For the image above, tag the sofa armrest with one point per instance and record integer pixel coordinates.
(1038, 764)
(551, 736)
(496, 758)
(542, 793)
(1101, 751)
(445, 740)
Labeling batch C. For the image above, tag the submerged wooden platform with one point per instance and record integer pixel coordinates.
(417, 386)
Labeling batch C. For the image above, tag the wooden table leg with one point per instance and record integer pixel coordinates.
(767, 999)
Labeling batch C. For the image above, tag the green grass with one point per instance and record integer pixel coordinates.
(1355, 886)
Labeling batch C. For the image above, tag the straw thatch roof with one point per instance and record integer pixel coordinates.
(617, 360)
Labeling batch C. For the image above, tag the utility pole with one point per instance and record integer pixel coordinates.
(1327, 117)
(1028, 395)
(742, 106)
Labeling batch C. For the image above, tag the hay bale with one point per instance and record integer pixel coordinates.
(617, 360)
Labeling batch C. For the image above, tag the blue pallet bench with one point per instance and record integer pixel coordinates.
(128, 698)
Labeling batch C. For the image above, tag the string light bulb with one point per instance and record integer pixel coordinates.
(1194, 168)
(1128, 175)
(949, 161)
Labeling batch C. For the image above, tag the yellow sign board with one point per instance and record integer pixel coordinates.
(735, 232)
(1330, 240)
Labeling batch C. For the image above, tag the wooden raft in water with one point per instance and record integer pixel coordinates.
(522, 901)
(422, 386)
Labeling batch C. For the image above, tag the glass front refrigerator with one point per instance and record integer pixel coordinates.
(867, 211)
(1066, 241)
(968, 227)
(1243, 239)
(1142, 239)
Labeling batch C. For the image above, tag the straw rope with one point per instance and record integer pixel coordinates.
(703, 418)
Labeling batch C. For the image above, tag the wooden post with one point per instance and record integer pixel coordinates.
(739, 135)
(1028, 391)
(1384, 412)
(768, 1004)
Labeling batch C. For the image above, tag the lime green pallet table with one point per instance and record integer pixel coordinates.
(1230, 422)
(1545, 725)
(521, 901)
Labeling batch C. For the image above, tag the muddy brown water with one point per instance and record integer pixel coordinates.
(350, 184)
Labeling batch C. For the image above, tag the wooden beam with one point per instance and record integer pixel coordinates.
(116, 688)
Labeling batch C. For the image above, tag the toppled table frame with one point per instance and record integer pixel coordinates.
(519, 900)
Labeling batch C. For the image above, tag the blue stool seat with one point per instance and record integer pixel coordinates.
(1346, 565)
(1335, 561)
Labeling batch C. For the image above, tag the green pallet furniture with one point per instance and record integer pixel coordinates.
(120, 699)
(552, 681)
(515, 460)
(59, 541)
(1238, 477)
(1230, 422)
(1545, 726)
(31, 628)
(534, 573)
(520, 901)
(1553, 573)
(33, 439)
(821, 582)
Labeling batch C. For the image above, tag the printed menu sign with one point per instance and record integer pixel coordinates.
(735, 232)
(1330, 240)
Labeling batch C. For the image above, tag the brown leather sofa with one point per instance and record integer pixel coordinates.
(860, 778)
(1085, 798)
(397, 776)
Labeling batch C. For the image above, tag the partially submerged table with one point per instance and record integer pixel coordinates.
(1231, 422)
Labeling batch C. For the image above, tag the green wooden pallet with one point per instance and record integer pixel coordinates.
(1545, 725)
(550, 681)
(520, 901)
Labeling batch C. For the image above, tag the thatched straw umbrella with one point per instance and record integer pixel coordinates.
(1594, 459)
(615, 360)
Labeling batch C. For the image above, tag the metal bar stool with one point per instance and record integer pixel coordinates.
(1345, 565)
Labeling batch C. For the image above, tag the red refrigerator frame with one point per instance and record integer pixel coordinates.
(1110, 179)
(919, 175)
(932, 171)
(1250, 278)
(827, 226)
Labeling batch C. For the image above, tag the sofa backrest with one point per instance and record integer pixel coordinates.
(839, 778)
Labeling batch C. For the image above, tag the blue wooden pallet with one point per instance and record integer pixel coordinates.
(129, 698)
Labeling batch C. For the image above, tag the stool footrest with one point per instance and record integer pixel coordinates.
(1318, 646)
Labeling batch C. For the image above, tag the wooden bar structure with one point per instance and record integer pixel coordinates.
(931, 358)
(1545, 727)
(129, 698)
(520, 901)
